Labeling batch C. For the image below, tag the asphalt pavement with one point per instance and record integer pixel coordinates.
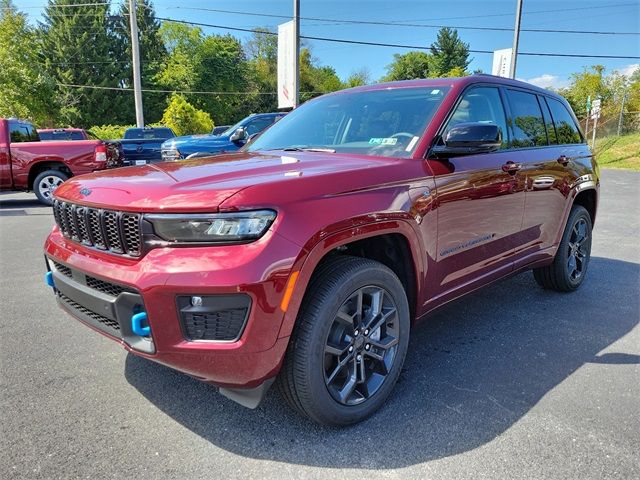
(511, 382)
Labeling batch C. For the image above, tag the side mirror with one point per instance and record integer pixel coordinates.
(239, 135)
(469, 139)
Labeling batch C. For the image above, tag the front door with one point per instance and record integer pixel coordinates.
(479, 203)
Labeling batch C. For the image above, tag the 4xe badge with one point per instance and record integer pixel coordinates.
(85, 191)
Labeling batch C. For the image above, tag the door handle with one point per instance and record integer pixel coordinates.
(564, 160)
(511, 167)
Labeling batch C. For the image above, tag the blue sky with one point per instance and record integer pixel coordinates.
(612, 15)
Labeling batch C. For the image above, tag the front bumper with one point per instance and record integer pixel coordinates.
(152, 284)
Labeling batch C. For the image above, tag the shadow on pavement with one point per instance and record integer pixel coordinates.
(474, 368)
(16, 207)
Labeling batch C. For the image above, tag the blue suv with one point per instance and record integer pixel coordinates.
(229, 141)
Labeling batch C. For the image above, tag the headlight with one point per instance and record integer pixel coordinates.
(212, 227)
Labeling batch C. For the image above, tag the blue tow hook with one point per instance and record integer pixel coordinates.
(48, 279)
(139, 324)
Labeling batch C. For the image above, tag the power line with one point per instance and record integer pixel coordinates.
(393, 45)
(150, 90)
(415, 25)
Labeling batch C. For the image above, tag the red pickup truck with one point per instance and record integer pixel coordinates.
(26, 163)
(309, 256)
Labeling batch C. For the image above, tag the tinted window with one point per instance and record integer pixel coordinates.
(481, 105)
(148, 133)
(61, 135)
(528, 125)
(258, 125)
(546, 114)
(566, 128)
(385, 123)
(19, 132)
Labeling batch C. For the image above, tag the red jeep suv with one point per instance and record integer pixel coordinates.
(307, 257)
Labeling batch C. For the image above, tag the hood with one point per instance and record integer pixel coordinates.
(202, 184)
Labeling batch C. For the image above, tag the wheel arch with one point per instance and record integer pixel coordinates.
(588, 198)
(393, 243)
(39, 167)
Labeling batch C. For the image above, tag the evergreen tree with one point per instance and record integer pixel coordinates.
(26, 92)
(449, 53)
(80, 47)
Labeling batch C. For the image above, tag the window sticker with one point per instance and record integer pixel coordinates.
(435, 92)
(383, 141)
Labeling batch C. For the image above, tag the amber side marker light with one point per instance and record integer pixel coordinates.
(284, 304)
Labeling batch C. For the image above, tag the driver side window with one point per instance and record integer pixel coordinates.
(481, 105)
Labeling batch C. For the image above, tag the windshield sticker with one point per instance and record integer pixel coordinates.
(411, 144)
(383, 141)
(435, 92)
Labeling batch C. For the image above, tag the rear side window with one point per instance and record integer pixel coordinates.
(19, 132)
(258, 125)
(551, 130)
(566, 128)
(481, 105)
(528, 124)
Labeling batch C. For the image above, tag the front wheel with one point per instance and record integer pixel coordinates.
(349, 344)
(569, 267)
(46, 183)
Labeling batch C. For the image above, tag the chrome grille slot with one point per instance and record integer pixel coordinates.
(115, 232)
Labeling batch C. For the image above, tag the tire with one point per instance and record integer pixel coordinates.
(311, 378)
(45, 184)
(569, 267)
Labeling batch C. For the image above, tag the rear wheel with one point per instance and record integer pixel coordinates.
(46, 183)
(569, 267)
(349, 343)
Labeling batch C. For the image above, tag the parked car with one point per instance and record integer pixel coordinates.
(47, 134)
(26, 163)
(229, 141)
(308, 257)
(143, 145)
(220, 129)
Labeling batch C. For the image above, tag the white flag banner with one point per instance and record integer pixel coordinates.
(286, 60)
(502, 62)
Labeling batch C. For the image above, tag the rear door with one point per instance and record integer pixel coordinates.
(480, 202)
(548, 168)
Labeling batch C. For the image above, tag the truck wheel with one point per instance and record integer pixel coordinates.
(45, 184)
(569, 267)
(349, 343)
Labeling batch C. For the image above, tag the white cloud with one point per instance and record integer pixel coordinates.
(629, 69)
(547, 80)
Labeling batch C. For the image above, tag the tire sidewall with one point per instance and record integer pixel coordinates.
(578, 213)
(38, 179)
(325, 405)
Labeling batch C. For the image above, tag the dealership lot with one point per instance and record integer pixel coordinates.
(510, 382)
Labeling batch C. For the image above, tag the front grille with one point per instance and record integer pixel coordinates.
(112, 325)
(115, 232)
(105, 287)
(63, 269)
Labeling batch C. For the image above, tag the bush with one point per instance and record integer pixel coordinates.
(109, 132)
(184, 118)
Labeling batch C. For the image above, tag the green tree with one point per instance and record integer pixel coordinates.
(358, 78)
(26, 91)
(152, 56)
(184, 118)
(262, 63)
(450, 54)
(80, 47)
(409, 66)
(181, 43)
(589, 82)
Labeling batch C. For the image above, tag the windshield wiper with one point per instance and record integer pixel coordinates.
(308, 149)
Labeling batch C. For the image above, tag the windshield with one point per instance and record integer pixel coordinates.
(385, 123)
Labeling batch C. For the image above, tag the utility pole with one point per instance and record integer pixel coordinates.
(296, 60)
(624, 97)
(135, 54)
(516, 39)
